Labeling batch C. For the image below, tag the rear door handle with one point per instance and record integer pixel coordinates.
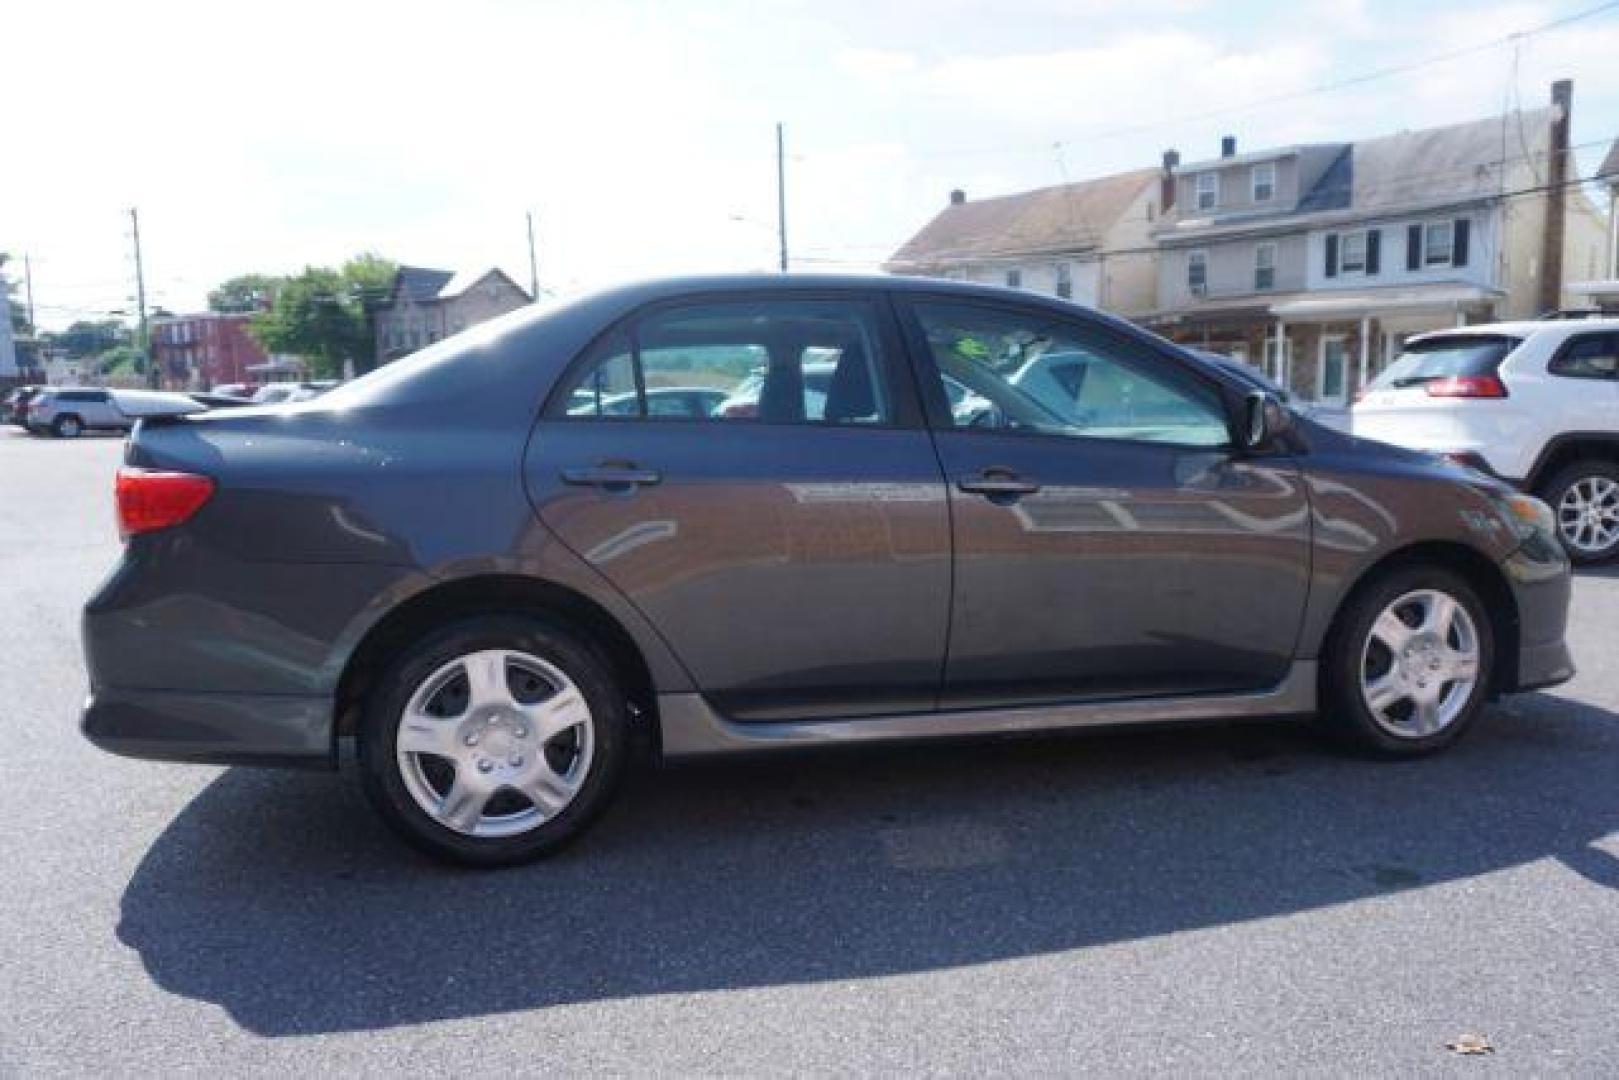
(994, 482)
(611, 476)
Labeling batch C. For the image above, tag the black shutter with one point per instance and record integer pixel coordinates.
(1332, 254)
(1374, 248)
(1458, 250)
(1413, 248)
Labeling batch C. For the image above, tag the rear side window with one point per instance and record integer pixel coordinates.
(772, 361)
(1443, 358)
(82, 395)
(1588, 356)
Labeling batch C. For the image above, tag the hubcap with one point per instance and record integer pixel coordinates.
(1588, 514)
(1420, 664)
(495, 743)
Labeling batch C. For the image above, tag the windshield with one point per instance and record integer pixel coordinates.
(1441, 358)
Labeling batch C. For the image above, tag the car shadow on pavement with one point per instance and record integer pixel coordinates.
(277, 897)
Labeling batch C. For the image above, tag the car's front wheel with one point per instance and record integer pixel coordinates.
(67, 427)
(494, 741)
(1406, 668)
(1585, 498)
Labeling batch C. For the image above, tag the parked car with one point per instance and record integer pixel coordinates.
(68, 411)
(523, 588)
(743, 402)
(1535, 403)
(1247, 372)
(274, 393)
(221, 401)
(235, 390)
(14, 406)
(697, 402)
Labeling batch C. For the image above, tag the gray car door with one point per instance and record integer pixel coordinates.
(1109, 540)
(793, 546)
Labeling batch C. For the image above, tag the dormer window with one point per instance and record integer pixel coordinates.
(1264, 181)
(1208, 190)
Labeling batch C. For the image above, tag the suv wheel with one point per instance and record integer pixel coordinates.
(1406, 668)
(67, 427)
(494, 741)
(1585, 498)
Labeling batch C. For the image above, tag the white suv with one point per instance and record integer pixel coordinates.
(1535, 403)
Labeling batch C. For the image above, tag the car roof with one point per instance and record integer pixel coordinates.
(1524, 328)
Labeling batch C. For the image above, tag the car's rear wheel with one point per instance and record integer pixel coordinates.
(67, 427)
(494, 741)
(1407, 666)
(1585, 498)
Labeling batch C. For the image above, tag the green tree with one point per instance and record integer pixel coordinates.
(321, 314)
(121, 360)
(84, 337)
(245, 292)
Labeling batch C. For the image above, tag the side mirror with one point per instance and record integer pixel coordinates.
(1264, 420)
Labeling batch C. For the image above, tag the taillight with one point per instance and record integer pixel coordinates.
(1466, 386)
(149, 500)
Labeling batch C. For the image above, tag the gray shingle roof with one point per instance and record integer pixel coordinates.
(1453, 163)
(420, 283)
(1609, 169)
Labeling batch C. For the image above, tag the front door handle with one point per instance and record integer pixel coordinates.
(611, 475)
(993, 482)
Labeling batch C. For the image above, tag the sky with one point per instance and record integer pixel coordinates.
(641, 133)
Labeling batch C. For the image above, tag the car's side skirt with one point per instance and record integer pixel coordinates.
(691, 728)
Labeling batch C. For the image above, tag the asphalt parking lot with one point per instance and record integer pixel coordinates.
(1225, 900)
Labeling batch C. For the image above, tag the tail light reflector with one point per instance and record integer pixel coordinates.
(1466, 386)
(149, 500)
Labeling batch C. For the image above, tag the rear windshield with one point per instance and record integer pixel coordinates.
(1440, 358)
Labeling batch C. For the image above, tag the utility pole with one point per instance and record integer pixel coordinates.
(143, 341)
(533, 261)
(28, 285)
(781, 193)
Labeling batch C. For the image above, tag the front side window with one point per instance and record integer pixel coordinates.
(1589, 356)
(1264, 182)
(1438, 243)
(1352, 252)
(1208, 190)
(1006, 371)
(784, 362)
(1265, 266)
(1197, 272)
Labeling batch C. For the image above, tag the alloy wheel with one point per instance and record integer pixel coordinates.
(1419, 664)
(495, 743)
(1588, 515)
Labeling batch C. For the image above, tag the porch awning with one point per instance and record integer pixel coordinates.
(1435, 299)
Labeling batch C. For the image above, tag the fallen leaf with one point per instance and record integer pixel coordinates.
(1470, 1044)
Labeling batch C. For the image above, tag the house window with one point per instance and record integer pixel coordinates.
(1014, 279)
(1438, 243)
(1352, 252)
(1264, 177)
(1208, 190)
(1197, 272)
(1065, 281)
(1264, 266)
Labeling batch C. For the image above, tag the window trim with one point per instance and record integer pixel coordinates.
(1213, 192)
(1344, 269)
(1197, 255)
(1265, 245)
(896, 371)
(1178, 368)
(1253, 181)
(1449, 225)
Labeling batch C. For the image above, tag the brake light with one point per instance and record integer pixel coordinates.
(149, 500)
(1466, 386)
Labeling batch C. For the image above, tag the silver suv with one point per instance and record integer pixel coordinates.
(67, 412)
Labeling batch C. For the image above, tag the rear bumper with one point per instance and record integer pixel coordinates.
(220, 729)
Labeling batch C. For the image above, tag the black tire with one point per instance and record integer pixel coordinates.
(1345, 712)
(67, 426)
(575, 656)
(1557, 488)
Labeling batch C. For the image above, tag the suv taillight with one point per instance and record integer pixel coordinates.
(1466, 386)
(149, 500)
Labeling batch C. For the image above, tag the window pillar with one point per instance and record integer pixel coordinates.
(1365, 349)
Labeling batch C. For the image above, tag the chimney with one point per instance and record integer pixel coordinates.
(1166, 181)
(957, 197)
(1228, 146)
(1551, 252)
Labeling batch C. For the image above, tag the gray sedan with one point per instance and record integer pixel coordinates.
(493, 592)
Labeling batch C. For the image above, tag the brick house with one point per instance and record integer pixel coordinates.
(205, 350)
